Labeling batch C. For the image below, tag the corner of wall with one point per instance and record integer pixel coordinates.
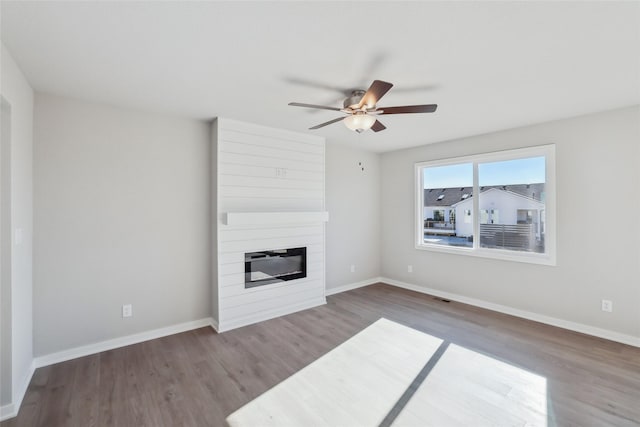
(214, 228)
(599, 148)
(354, 204)
(19, 94)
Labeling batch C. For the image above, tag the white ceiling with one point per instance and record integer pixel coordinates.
(488, 65)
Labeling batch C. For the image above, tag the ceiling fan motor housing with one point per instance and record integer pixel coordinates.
(354, 100)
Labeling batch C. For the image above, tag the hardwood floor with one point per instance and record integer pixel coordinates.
(198, 378)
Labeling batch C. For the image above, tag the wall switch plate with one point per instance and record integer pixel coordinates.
(607, 305)
(410, 268)
(127, 310)
(353, 268)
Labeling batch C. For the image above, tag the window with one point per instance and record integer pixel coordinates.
(513, 193)
(447, 180)
(525, 216)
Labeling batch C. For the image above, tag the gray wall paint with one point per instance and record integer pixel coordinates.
(122, 203)
(598, 232)
(353, 202)
(18, 93)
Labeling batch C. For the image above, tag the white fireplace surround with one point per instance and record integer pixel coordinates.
(274, 218)
(268, 193)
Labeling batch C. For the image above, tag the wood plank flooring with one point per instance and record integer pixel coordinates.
(198, 378)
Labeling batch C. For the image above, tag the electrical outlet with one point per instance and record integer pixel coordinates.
(607, 305)
(410, 268)
(353, 268)
(127, 310)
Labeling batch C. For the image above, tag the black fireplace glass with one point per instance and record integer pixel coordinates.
(274, 266)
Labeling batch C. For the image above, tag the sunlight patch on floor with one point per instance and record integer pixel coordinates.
(468, 388)
(363, 381)
(357, 383)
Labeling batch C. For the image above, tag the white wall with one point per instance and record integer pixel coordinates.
(353, 202)
(262, 169)
(213, 243)
(596, 160)
(5, 255)
(16, 91)
(122, 214)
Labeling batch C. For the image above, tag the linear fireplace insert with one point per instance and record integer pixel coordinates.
(274, 266)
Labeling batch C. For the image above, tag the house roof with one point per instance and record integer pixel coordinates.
(449, 196)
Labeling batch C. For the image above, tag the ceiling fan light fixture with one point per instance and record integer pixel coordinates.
(359, 122)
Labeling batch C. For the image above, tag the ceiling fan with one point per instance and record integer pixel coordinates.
(361, 109)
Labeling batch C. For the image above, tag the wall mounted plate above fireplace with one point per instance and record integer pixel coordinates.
(274, 218)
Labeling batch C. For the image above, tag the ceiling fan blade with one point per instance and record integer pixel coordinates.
(321, 107)
(376, 91)
(430, 108)
(377, 126)
(327, 123)
(318, 85)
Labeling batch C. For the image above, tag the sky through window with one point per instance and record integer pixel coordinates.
(519, 171)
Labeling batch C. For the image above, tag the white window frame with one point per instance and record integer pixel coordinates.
(547, 258)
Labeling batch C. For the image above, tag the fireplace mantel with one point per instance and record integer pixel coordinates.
(274, 218)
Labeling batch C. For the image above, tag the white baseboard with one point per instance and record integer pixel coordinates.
(553, 321)
(10, 410)
(350, 286)
(85, 350)
(214, 325)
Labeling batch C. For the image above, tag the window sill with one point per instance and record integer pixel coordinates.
(499, 254)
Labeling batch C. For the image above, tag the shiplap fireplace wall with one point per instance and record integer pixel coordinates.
(268, 193)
